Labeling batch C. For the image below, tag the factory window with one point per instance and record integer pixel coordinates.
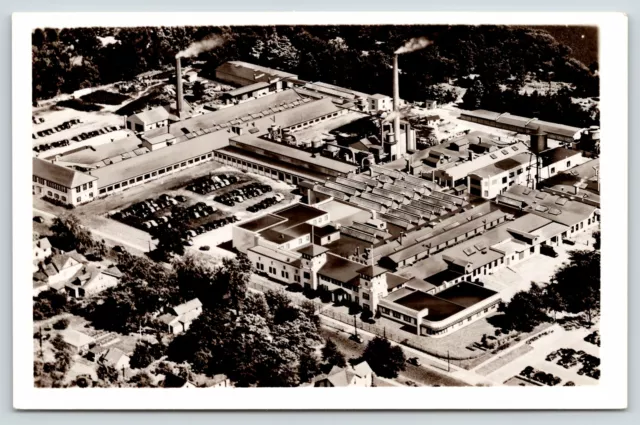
(183, 164)
(77, 200)
(504, 180)
(568, 164)
(519, 171)
(78, 189)
(532, 249)
(102, 191)
(486, 193)
(195, 160)
(132, 181)
(408, 319)
(139, 179)
(209, 155)
(91, 194)
(511, 174)
(110, 188)
(384, 310)
(365, 296)
(307, 275)
(168, 168)
(161, 171)
(147, 176)
(49, 193)
(553, 170)
(90, 185)
(55, 195)
(117, 186)
(190, 161)
(203, 157)
(155, 173)
(124, 184)
(396, 314)
(175, 167)
(84, 186)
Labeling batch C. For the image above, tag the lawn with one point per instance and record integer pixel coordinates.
(503, 360)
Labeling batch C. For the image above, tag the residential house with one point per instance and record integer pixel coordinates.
(77, 341)
(180, 317)
(175, 381)
(92, 279)
(358, 375)
(58, 271)
(41, 249)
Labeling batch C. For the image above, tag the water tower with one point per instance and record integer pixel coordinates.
(538, 145)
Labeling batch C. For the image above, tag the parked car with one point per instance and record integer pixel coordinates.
(414, 361)
(38, 219)
(205, 248)
(548, 251)
(357, 338)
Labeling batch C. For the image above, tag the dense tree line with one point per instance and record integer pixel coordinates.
(358, 57)
(574, 289)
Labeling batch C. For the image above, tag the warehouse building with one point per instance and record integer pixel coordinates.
(523, 125)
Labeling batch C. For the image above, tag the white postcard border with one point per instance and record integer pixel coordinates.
(610, 393)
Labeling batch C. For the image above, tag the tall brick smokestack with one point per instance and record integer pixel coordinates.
(178, 86)
(396, 99)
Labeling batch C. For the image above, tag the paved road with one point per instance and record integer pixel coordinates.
(418, 374)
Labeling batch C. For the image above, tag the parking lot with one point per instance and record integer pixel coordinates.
(560, 339)
(205, 206)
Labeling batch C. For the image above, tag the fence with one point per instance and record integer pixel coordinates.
(415, 342)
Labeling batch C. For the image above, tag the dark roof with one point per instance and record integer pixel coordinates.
(466, 294)
(393, 280)
(372, 271)
(262, 222)
(61, 175)
(443, 276)
(340, 268)
(324, 230)
(313, 250)
(439, 309)
(556, 155)
(299, 213)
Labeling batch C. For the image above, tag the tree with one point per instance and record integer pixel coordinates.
(144, 354)
(48, 304)
(107, 373)
(577, 283)
(308, 367)
(280, 306)
(526, 310)
(61, 324)
(170, 241)
(332, 356)
(68, 234)
(385, 360)
(596, 236)
(474, 96)
(141, 380)
(59, 343)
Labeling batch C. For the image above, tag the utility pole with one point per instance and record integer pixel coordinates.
(448, 362)
(40, 339)
(355, 327)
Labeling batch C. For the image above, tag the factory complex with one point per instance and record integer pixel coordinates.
(425, 226)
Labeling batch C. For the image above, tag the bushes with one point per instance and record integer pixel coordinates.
(61, 324)
(79, 105)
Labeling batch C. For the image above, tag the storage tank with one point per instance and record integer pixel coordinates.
(538, 142)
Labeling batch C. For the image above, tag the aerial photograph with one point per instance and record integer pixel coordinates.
(315, 206)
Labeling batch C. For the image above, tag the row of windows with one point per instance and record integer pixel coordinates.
(56, 186)
(304, 124)
(398, 315)
(338, 283)
(154, 174)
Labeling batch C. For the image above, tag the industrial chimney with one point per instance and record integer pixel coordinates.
(396, 103)
(178, 87)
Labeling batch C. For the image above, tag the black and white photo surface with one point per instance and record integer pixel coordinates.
(381, 206)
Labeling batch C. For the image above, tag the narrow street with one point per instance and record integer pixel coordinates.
(418, 374)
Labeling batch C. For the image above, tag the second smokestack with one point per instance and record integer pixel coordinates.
(178, 87)
(396, 99)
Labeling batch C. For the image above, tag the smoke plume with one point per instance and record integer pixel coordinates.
(392, 116)
(414, 44)
(204, 45)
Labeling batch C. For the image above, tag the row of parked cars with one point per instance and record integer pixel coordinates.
(64, 126)
(540, 376)
(94, 133)
(266, 203)
(241, 194)
(139, 211)
(46, 146)
(207, 227)
(208, 184)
